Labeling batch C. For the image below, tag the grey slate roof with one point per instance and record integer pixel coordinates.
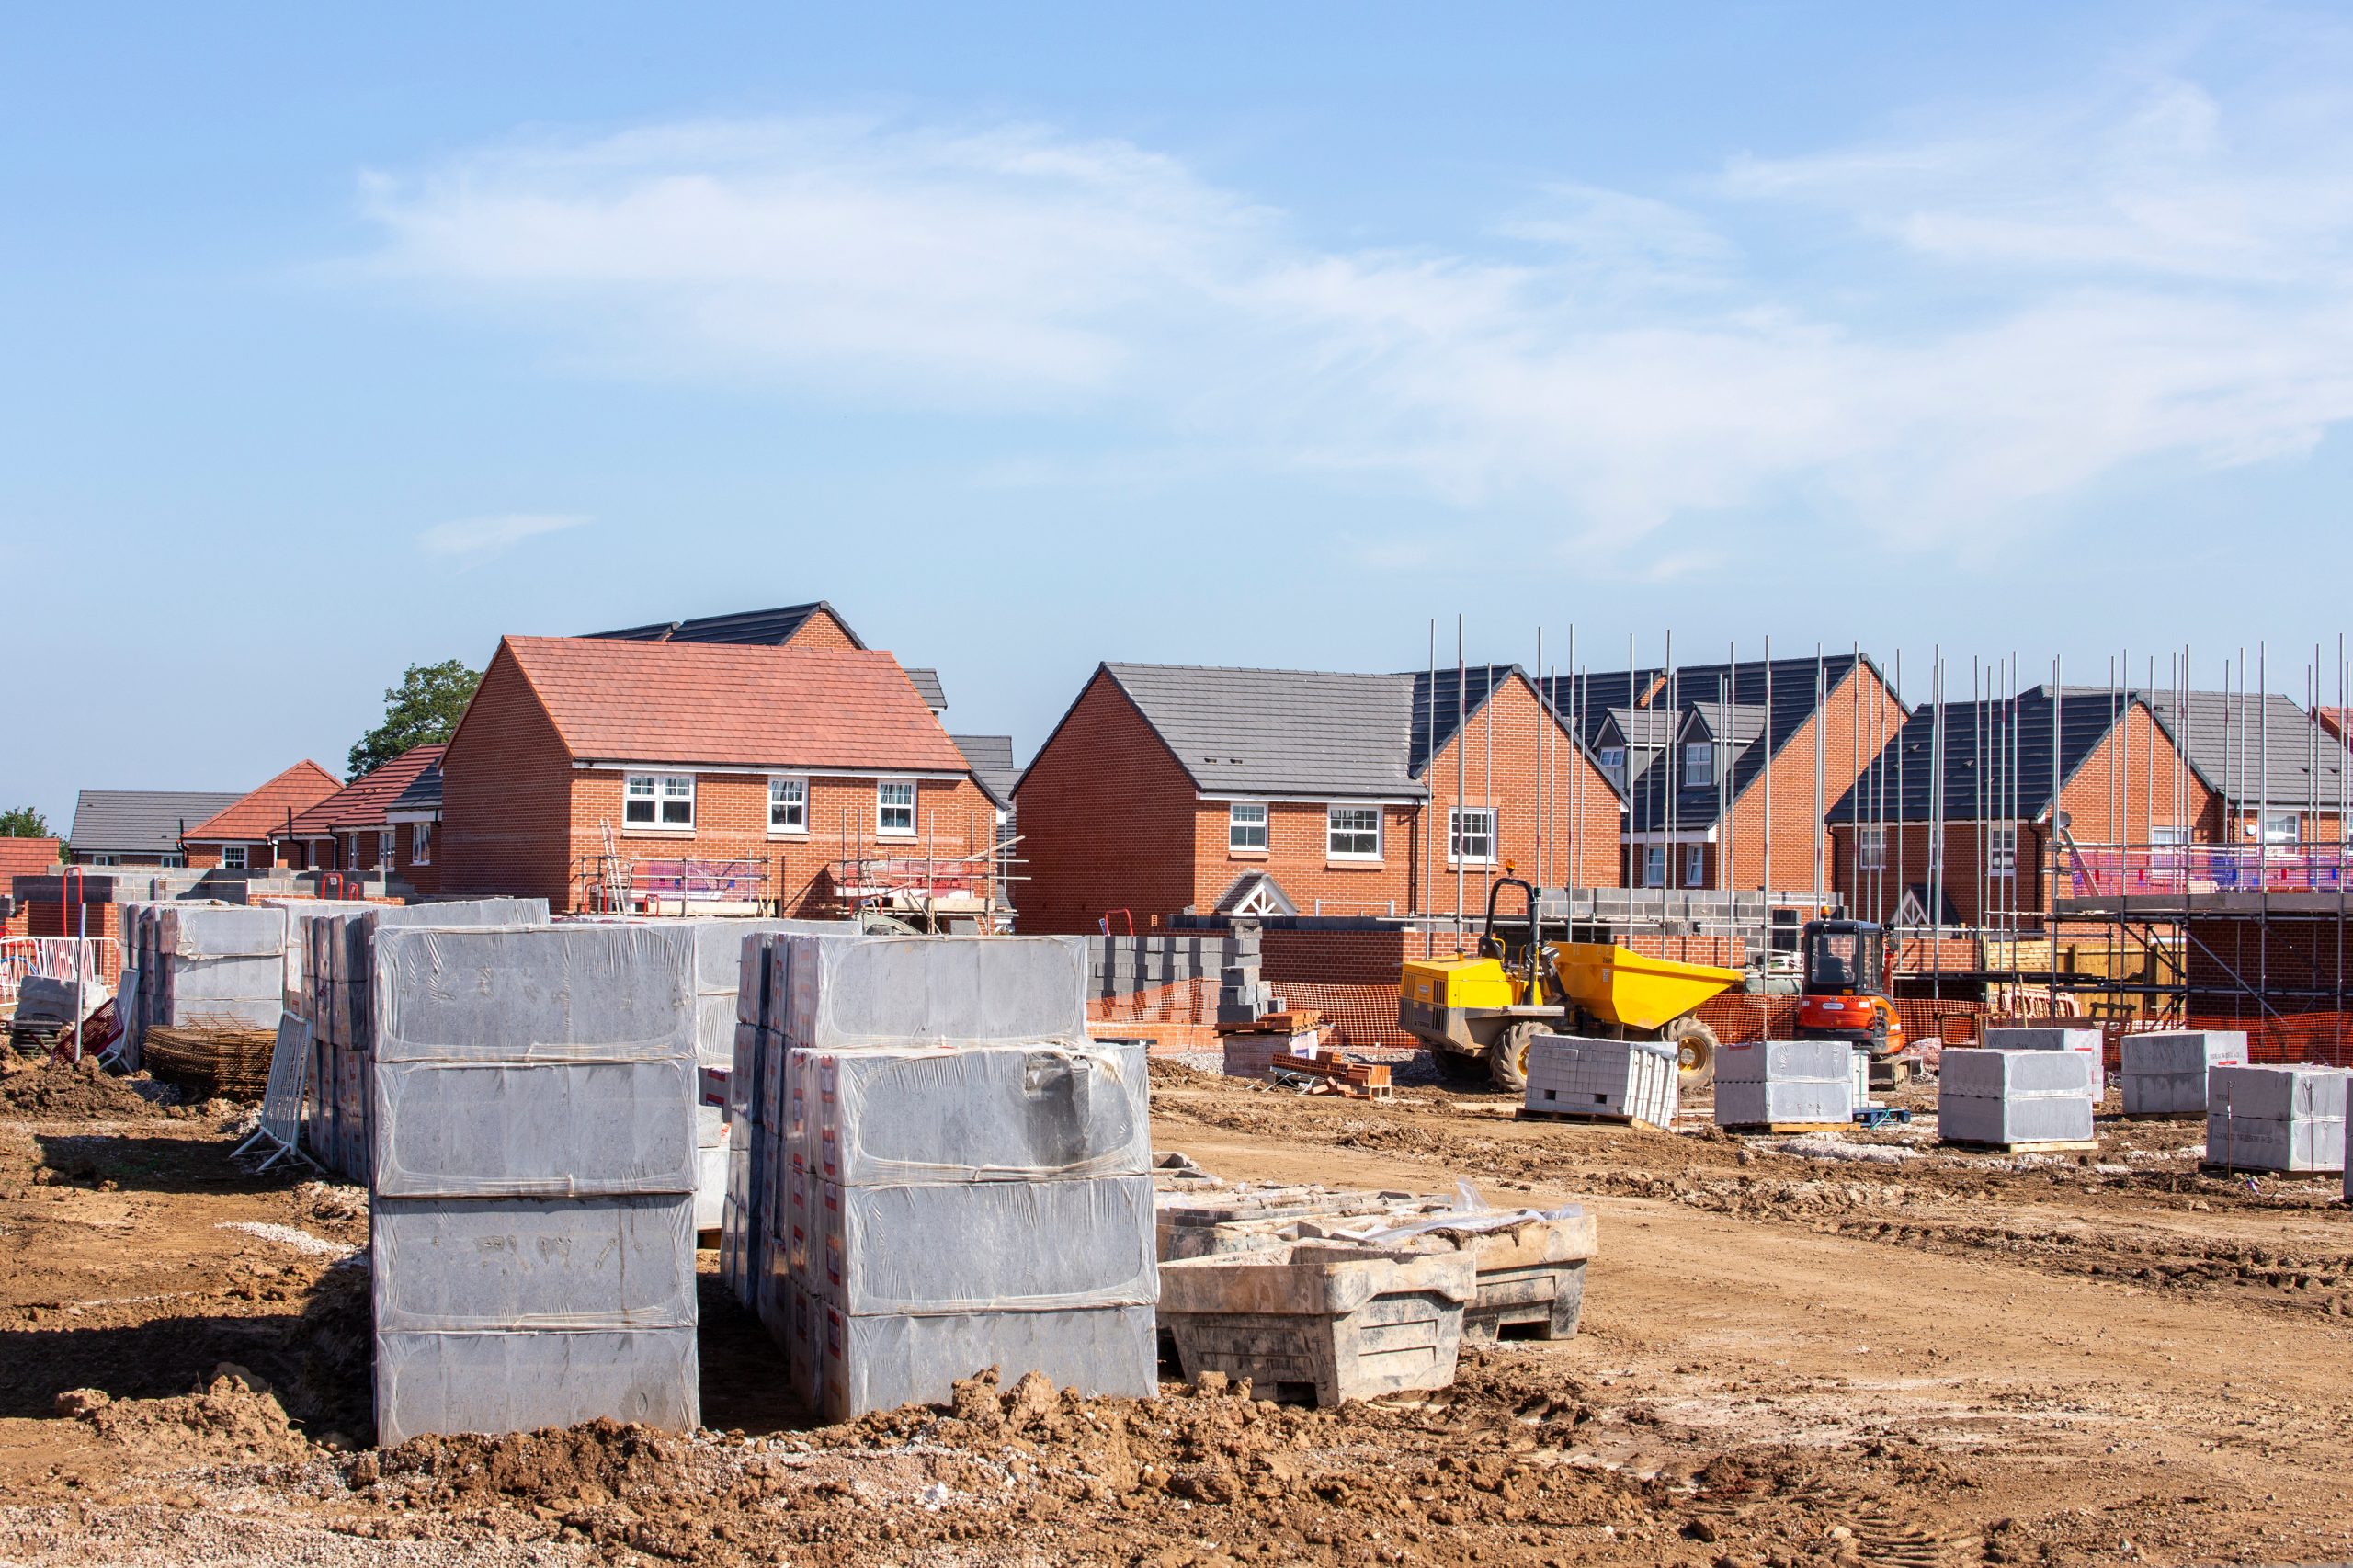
(758, 628)
(143, 821)
(422, 794)
(1434, 716)
(993, 769)
(2015, 737)
(927, 684)
(1596, 697)
(1305, 732)
(2228, 736)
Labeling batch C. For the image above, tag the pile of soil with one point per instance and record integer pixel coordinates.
(235, 1418)
(48, 1090)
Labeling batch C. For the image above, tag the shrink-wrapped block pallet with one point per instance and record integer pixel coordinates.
(1611, 1080)
(2008, 1099)
(2276, 1118)
(533, 1168)
(1782, 1082)
(2164, 1073)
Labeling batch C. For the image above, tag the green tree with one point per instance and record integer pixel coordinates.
(23, 822)
(424, 707)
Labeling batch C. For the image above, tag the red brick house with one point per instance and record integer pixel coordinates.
(354, 830)
(2121, 779)
(1711, 754)
(238, 840)
(586, 767)
(22, 857)
(1175, 790)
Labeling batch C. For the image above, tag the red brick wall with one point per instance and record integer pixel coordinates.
(1298, 836)
(1107, 821)
(1856, 720)
(821, 630)
(425, 878)
(258, 856)
(506, 794)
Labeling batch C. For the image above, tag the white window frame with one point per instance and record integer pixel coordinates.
(1653, 867)
(388, 848)
(661, 791)
(1244, 818)
(233, 858)
(1694, 865)
(420, 844)
(2282, 827)
(171, 858)
(884, 806)
(1613, 765)
(1455, 833)
(1705, 772)
(1870, 847)
(1355, 828)
(789, 829)
(2002, 851)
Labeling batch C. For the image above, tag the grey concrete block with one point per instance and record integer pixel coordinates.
(2165, 1094)
(846, 991)
(2038, 1119)
(2277, 1093)
(1999, 1073)
(2238, 1141)
(1784, 1060)
(910, 1114)
(477, 1264)
(549, 1128)
(2182, 1051)
(859, 1363)
(972, 1246)
(519, 1382)
(1573, 1075)
(1752, 1104)
(534, 993)
(2086, 1040)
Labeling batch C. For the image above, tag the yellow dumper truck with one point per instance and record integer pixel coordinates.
(1478, 1011)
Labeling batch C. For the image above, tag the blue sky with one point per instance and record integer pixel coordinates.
(1230, 334)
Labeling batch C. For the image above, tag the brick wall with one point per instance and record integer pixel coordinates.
(1107, 821)
(821, 630)
(506, 795)
(1856, 719)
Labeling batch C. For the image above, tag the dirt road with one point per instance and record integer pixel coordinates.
(1896, 1356)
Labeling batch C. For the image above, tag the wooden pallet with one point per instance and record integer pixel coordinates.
(2161, 1115)
(1586, 1117)
(2051, 1146)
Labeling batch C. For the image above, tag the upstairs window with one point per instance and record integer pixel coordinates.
(233, 856)
(1653, 866)
(895, 808)
(2002, 850)
(1871, 848)
(1352, 833)
(659, 800)
(788, 805)
(1695, 866)
(1613, 763)
(1245, 825)
(1471, 836)
(1698, 762)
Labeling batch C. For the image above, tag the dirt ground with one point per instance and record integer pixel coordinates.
(1850, 1349)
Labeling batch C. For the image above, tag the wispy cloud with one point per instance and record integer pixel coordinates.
(2000, 312)
(471, 537)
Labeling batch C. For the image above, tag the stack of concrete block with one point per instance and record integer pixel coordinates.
(2011, 1097)
(334, 996)
(219, 966)
(1122, 967)
(2276, 1118)
(938, 1172)
(2164, 1073)
(531, 1190)
(1779, 1082)
(2083, 1041)
(1610, 1080)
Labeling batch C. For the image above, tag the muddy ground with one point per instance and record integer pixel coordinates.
(1799, 1351)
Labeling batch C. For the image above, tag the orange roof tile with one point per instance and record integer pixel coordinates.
(296, 790)
(363, 802)
(726, 705)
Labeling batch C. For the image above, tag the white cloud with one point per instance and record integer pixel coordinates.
(2000, 314)
(474, 537)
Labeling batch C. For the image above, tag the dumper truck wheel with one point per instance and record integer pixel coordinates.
(1695, 1051)
(1508, 1058)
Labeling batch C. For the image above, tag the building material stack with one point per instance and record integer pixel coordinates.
(1602, 1080)
(2164, 1073)
(334, 996)
(219, 966)
(2276, 1118)
(939, 1172)
(531, 1190)
(1785, 1082)
(2083, 1041)
(2013, 1100)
